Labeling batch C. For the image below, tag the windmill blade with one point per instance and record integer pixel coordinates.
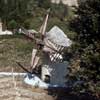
(50, 47)
(36, 60)
(27, 33)
(44, 25)
(20, 65)
(33, 57)
(38, 41)
(41, 28)
(56, 56)
(53, 49)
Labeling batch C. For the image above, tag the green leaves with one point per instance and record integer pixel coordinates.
(16, 10)
(87, 26)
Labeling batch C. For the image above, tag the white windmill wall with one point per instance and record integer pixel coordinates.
(45, 71)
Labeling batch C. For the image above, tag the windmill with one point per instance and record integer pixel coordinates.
(52, 44)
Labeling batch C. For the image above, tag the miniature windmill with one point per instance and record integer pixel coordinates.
(51, 43)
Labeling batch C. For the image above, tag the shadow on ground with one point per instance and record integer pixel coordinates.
(67, 94)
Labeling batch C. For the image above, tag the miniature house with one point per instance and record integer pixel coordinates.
(54, 69)
(0, 27)
(6, 32)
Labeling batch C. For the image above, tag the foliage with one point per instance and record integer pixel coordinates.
(17, 10)
(44, 3)
(12, 24)
(87, 26)
(31, 13)
(61, 11)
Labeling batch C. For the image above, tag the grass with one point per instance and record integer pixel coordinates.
(15, 48)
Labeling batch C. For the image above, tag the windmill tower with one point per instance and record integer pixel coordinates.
(54, 69)
(52, 45)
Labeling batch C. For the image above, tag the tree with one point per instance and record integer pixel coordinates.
(44, 3)
(60, 10)
(87, 26)
(18, 10)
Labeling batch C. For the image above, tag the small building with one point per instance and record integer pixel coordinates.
(6, 32)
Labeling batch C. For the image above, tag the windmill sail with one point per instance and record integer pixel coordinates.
(27, 33)
(44, 26)
(33, 57)
(36, 60)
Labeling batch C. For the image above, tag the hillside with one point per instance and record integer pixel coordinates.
(14, 48)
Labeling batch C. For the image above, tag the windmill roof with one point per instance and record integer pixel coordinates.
(57, 36)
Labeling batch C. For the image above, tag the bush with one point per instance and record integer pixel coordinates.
(12, 24)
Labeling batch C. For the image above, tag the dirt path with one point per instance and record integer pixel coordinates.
(10, 90)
